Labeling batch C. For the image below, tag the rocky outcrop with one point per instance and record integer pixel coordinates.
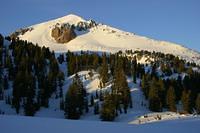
(55, 33)
(63, 34)
(21, 31)
(83, 26)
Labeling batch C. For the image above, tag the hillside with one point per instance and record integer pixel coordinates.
(48, 104)
(100, 37)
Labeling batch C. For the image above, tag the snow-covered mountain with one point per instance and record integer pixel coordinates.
(101, 38)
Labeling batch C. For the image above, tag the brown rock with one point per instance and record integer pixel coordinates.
(55, 33)
(63, 35)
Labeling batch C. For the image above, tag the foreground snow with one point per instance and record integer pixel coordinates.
(12, 124)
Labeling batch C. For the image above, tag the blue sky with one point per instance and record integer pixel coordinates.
(171, 20)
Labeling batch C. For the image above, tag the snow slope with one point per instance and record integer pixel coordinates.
(11, 124)
(135, 115)
(103, 38)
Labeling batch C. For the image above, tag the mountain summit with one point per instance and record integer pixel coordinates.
(91, 36)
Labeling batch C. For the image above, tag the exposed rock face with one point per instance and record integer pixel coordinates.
(55, 33)
(86, 25)
(21, 31)
(63, 34)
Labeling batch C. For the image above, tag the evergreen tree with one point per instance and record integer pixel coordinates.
(86, 105)
(186, 101)
(155, 103)
(17, 90)
(145, 86)
(81, 93)
(171, 99)
(92, 100)
(5, 83)
(29, 107)
(72, 103)
(1, 86)
(44, 92)
(75, 101)
(101, 95)
(95, 61)
(107, 112)
(71, 63)
(134, 69)
(161, 91)
(62, 104)
(96, 108)
(60, 83)
(121, 91)
(104, 72)
(96, 95)
(198, 104)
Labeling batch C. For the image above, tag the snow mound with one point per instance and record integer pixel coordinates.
(163, 116)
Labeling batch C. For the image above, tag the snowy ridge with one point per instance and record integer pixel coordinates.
(103, 38)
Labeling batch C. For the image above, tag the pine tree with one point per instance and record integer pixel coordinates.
(71, 103)
(104, 72)
(107, 112)
(44, 92)
(5, 83)
(198, 104)
(92, 100)
(1, 86)
(96, 108)
(60, 83)
(71, 63)
(95, 61)
(161, 91)
(86, 105)
(62, 105)
(81, 93)
(181, 67)
(134, 69)
(171, 99)
(101, 95)
(9, 64)
(121, 91)
(155, 103)
(17, 90)
(96, 95)
(186, 102)
(145, 86)
(29, 107)
(75, 99)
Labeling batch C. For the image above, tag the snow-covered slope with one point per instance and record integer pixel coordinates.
(139, 114)
(12, 124)
(103, 38)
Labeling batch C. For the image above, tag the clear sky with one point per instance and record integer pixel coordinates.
(170, 20)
